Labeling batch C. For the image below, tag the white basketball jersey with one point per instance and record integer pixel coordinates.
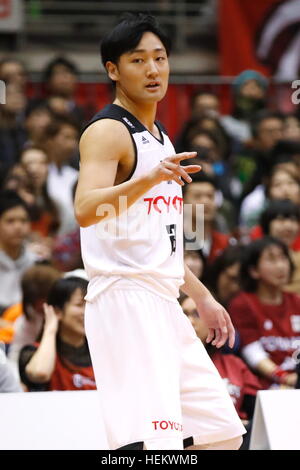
(144, 244)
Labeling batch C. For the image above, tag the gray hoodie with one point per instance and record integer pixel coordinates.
(11, 272)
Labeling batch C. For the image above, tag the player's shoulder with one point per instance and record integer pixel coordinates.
(105, 128)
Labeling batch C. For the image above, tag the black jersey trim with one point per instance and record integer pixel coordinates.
(117, 113)
(135, 160)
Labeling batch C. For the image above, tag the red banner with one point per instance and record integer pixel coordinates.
(263, 35)
(5, 8)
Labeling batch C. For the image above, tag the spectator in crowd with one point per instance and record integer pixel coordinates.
(13, 70)
(195, 260)
(253, 162)
(60, 143)
(15, 257)
(266, 316)
(223, 274)
(38, 116)
(281, 220)
(61, 360)
(241, 383)
(212, 155)
(61, 79)
(203, 233)
(203, 105)
(43, 211)
(283, 182)
(204, 102)
(8, 382)
(203, 122)
(29, 314)
(291, 128)
(66, 253)
(249, 97)
(12, 132)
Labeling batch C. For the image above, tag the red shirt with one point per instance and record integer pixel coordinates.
(275, 327)
(67, 376)
(239, 380)
(219, 241)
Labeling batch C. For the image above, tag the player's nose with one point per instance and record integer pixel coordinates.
(152, 70)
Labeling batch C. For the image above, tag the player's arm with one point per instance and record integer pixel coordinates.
(214, 314)
(103, 146)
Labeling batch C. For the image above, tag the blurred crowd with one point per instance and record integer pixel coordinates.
(245, 247)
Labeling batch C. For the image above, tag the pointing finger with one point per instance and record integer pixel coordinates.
(183, 156)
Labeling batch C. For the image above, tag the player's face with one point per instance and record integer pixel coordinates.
(142, 74)
(273, 268)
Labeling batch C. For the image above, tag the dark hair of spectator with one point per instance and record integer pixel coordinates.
(126, 35)
(37, 105)
(284, 151)
(251, 256)
(36, 284)
(57, 124)
(278, 208)
(63, 289)
(227, 258)
(9, 200)
(263, 115)
(199, 177)
(50, 68)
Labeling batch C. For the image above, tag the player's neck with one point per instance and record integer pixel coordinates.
(269, 294)
(144, 112)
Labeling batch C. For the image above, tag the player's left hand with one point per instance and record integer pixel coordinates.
(218, 321)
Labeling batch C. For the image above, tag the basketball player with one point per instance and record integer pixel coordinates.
(158, 388)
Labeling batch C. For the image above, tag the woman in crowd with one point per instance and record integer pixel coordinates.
(223, 274)
(281, 220)
(283, 182)
(61, 359)
(266, 317)
(43, 211)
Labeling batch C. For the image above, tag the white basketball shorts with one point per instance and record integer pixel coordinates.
(155, 379)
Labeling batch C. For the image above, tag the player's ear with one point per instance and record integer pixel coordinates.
(112, 70)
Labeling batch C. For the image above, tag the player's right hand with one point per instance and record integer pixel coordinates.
(170, 169)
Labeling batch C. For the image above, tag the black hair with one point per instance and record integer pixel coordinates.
(250, 258)
(126, 35)
(199, 177)
(57, 123)
(63, 289)
(9, 200)
(229, 256)
(48, 72)
(37, 105)
(278, 208)
(284, 151)
(263, 115)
